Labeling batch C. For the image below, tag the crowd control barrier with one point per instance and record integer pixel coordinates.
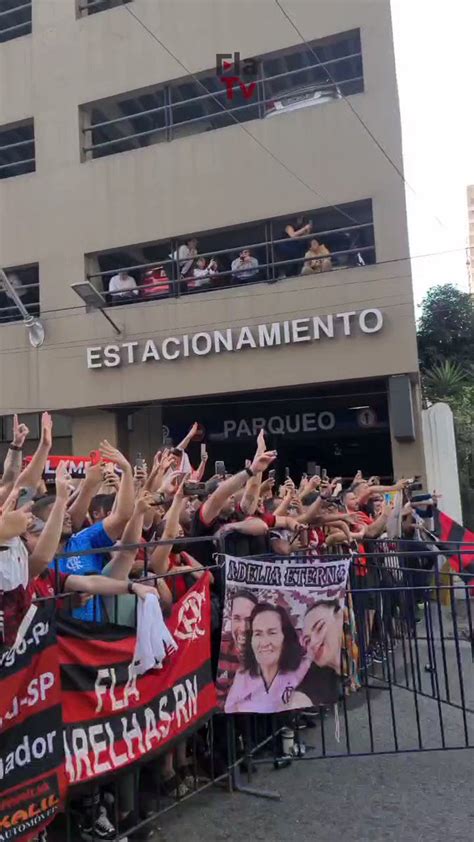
(406, 685)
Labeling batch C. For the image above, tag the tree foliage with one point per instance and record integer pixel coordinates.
(446, 350)
(446, 327)
(445, 381)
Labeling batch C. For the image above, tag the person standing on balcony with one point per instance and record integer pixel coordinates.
(293, 246)
(187, 254)
(122, 286)
(245, 267)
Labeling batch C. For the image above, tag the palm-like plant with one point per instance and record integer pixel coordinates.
(445, 381)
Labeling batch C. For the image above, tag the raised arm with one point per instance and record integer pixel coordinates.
(48, 542)
(161, 465)
(104, 586)
(199, 473)
(12, 463)
(89, 488)
(253, 526)
(183, 445)
(122, 561)
(30, 477)
(365, 495)
(213, 505)
(249, 502)
(375, 529)
(313, 513)
(159, 560)
(116, 521)
(298, 232)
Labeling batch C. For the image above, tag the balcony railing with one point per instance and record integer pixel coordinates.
(179, 275)
(179, 108)
(91, 7)
(15, 19)
(26, 284)
(17, 149)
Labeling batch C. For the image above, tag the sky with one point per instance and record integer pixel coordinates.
(434, 46)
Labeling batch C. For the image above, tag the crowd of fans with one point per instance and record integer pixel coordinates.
(248, 514)
(296, 253)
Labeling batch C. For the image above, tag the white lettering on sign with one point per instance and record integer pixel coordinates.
(259, 336)
(170, 355)
(279, 425)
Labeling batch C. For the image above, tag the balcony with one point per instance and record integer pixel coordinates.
(15, 19)
(91, 7)
(25, 282)
(341, 237)
(281, 82)
(17, 149)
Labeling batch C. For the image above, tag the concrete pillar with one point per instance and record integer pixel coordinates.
(145, 433)
(408, 456)
(88, 430)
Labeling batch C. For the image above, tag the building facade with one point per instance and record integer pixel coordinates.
(122, 141)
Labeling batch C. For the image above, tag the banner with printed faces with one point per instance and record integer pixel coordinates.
(282, 634)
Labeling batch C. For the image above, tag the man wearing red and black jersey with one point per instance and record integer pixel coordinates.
(220, 514)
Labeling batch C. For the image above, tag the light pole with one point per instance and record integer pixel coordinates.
(34, 326)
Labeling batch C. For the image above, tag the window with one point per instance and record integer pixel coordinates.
(17, 149)
(90, 7)
(15, 19)
(288, 80)
(137, 122)
(25, 282)
(205, 260)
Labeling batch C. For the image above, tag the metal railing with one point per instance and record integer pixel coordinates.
(219, 106)
(8, 30)
(90, 7)
(411, 691)
(25, 147)
(29, 295)
(277, 264)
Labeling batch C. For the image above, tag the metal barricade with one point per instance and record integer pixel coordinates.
(407, 685)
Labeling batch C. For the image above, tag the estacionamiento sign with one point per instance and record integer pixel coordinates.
(289, 332)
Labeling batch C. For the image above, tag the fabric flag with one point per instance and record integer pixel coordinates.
(112, 717)
(282, 634)
(448, 530)
(32, 778)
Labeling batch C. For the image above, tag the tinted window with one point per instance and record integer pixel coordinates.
(17, 149)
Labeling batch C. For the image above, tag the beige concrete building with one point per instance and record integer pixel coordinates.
(118, 147)
(470, 210)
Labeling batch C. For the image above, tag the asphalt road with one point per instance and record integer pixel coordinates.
(413, 796)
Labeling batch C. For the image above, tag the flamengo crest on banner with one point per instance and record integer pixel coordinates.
(113, 718)
(71, 709)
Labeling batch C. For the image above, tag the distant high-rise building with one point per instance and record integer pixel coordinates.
(470, 252)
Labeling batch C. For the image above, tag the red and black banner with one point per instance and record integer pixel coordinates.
(112, 718)
(32, 775)
(461, 558)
